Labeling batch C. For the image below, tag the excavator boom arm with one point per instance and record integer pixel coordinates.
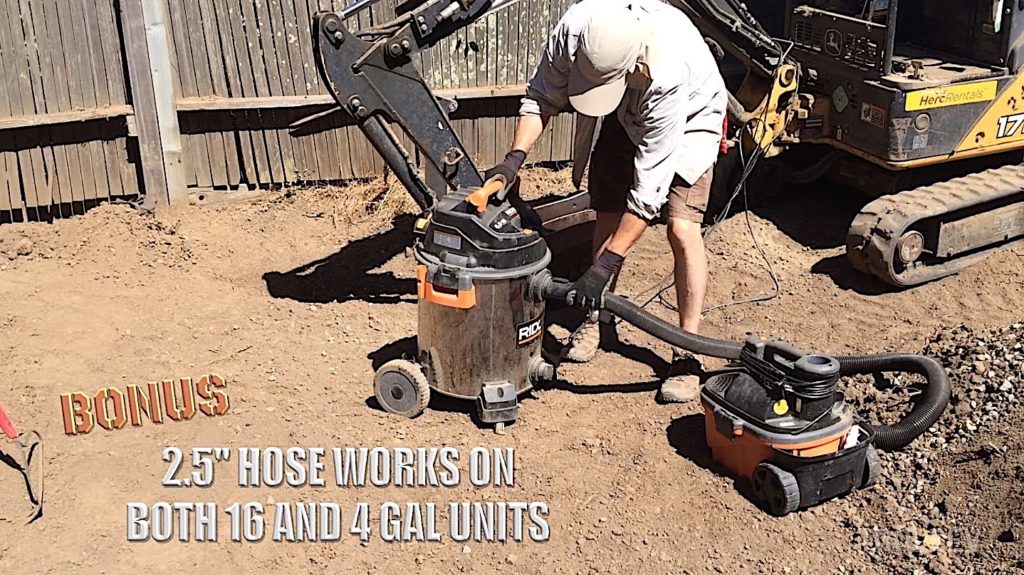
(736, 31)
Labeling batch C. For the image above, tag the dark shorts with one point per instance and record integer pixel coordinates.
(611, 177)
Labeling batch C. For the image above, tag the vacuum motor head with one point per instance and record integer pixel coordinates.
(492, 242)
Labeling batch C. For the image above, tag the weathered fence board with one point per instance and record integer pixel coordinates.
(63, 134)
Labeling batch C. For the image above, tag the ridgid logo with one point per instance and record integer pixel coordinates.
(174, 399)
(529, 331)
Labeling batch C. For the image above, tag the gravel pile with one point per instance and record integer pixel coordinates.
(953, 501)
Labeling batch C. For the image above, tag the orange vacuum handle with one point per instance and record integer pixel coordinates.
(480, 197)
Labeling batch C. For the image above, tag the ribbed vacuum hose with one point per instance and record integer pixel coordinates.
(693, 343)
(926, 411)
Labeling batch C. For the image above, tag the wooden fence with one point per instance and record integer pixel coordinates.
(150, 99)
(61, 64)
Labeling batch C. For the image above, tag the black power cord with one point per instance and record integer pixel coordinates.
(741, 188)
(771, 377)
(747, 168)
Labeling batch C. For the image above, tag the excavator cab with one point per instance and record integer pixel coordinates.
(957, 40)
(975, 31)
(981, 32)
(921, 103)
(899, 83)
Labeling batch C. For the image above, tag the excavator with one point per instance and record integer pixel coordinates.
(917, 103)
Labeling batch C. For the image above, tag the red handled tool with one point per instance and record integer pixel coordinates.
(26, 457)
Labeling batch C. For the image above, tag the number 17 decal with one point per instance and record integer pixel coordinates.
(1009, 126)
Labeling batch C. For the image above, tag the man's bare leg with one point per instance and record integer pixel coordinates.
(588, 339)
(691, 275)
(606, 224)
(691, 271)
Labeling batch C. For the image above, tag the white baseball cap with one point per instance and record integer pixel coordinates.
(608, 48)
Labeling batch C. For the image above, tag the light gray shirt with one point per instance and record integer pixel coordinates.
(675, 119)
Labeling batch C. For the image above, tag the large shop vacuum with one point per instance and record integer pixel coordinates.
(774, 417)
(480, 330)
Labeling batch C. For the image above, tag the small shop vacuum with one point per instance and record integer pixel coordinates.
(775, 417)
(778, 421)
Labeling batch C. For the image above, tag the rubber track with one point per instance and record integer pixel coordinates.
(871, 240)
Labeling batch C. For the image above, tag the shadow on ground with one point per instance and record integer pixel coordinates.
(841, 272)
(346, 275)
(816, 216)
(404, 348)
(687, 436)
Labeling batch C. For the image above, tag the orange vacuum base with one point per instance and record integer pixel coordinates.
(740, 450)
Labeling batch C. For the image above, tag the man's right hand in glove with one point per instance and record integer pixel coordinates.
(588, 291)
(507, 171)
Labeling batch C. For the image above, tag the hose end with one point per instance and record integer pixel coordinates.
(543, 286)
(539, 283)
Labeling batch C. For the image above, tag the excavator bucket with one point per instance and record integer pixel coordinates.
(24, 452)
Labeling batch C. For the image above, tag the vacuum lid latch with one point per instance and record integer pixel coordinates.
(445, 285)
(725, 424)
(451, 277)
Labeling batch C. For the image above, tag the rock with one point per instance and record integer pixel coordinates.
(466, 549)
(24, 247)
(984, 370)
(936, 566)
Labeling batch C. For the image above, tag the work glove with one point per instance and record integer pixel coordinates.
(507, 171)
(588, 291)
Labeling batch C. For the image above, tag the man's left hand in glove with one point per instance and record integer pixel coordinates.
(588, 291)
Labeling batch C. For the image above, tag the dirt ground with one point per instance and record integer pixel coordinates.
(293, 297)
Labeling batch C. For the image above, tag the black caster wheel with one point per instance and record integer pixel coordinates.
(401, 388)
(872, 468)
(776, 489)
